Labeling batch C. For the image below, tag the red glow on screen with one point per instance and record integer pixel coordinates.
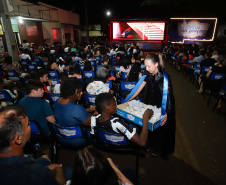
(151, 31)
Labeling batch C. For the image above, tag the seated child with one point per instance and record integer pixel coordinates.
(42, 76)
(106, 107)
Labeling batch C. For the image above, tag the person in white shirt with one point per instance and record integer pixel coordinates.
(98, 86)
(62, 77)
(25, 55)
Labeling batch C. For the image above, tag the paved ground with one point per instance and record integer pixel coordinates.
(200, 155)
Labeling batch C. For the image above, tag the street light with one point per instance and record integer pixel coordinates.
(108, 13)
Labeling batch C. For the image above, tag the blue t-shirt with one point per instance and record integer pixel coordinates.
(70, 114)
(37, 109)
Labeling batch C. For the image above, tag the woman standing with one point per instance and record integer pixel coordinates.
(161, 140)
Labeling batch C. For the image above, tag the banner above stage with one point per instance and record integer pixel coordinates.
(192, 29)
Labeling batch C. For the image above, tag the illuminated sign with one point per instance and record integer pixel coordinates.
(150, 31)
(192, 29)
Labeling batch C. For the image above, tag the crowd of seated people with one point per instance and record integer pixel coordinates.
(205, 64)
(71, 109)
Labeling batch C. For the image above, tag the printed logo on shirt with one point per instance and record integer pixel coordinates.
(123, 129)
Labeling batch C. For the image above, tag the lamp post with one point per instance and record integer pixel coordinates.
(108, 15)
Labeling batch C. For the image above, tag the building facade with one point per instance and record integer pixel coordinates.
(32, 23)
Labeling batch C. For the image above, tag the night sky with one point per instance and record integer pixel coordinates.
(132, 9)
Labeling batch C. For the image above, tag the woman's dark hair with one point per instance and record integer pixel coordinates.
(102, 100)
(69, 87)
(126, 63)
(91, 55)
(73, 68)
(61, 61)
(63, 76)
(52, 60)
(154, 58)
(135, 56)
(92, 167)
(40, 73)
(87, 66)
(133, 75)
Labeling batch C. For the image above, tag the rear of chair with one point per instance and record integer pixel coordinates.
(216, 82)
(31, 67)
(90, 99)
(73, 137)
(23, 63)
(196, 66)
(52, 74)
(81, 67)
(36, 130)
(4, 96)
(126, 87)
(54, 81)
(38, 136)
(93, 62)
(98, 58)
(115, 143)
(12, 75)
(205, 69)
(52, 97)
(109, 83)
(124, 75)
(45, 63)
(88, 74)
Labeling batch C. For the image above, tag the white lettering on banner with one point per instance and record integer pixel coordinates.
(218, 77)
(130, 117)
(88, 74)
(2, 96)
(55, 98)
(67, 132)
(54, 82)
(114, 138)
(130, 86)
(193, 29)
(92, 100)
